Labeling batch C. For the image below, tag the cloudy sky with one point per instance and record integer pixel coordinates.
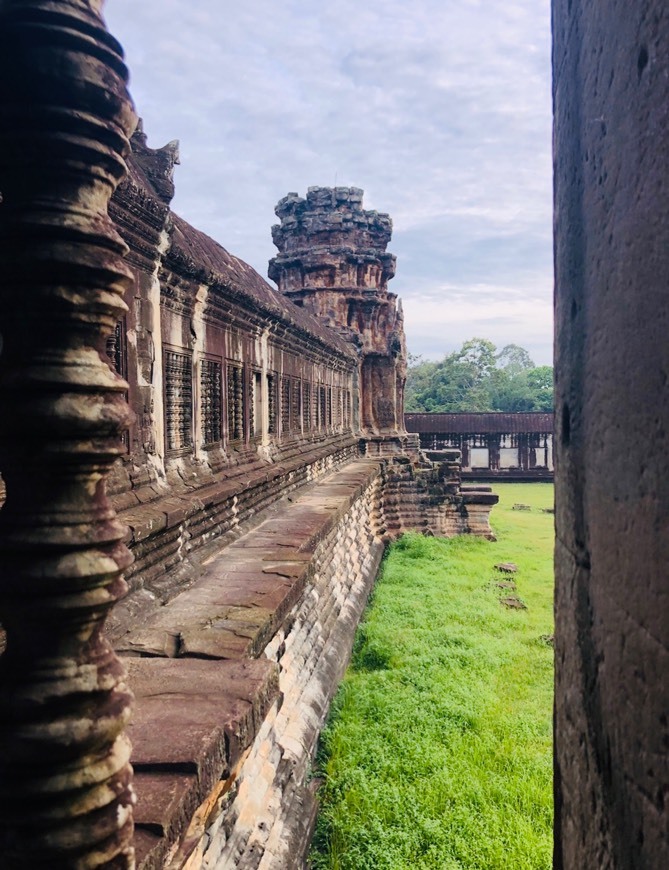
(438, 109)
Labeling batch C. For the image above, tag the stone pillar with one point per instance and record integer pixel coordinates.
(611, 101)
(65, 791)
(333, 262)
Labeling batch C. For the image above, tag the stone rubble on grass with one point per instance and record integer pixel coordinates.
(507, 567)
(513, 602)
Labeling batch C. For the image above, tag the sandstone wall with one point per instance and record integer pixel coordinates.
(234, 676)
(611, 100)
(171, 537)
(238, 395)
(221, 369)
(272, 805)
(428, 497)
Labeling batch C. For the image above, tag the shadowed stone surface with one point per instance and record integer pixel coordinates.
(66, 794)
(611, 99)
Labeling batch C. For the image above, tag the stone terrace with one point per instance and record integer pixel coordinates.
(239, 670)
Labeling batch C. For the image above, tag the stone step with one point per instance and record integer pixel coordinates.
(192, 721)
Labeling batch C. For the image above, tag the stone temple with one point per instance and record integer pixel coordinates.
(201, 471)
(256, 463)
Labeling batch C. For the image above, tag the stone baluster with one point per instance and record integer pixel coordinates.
(65, 117)
(239, 403)
(271, 404)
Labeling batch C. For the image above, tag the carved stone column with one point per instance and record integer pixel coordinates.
(65, 116)
(611, 104)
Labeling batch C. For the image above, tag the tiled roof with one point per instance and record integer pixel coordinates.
(481, 423)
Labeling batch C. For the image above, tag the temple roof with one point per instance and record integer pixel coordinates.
(217, 265)
(481, 423)
(206, 261)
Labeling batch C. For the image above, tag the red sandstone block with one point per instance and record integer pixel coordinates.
(165, 801)
(144, 524)
(149, 848)
(175, 510)
(283, 568)
(212, 643)
(197, 716)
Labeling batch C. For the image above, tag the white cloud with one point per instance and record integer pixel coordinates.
(443, 320)
(439, 110)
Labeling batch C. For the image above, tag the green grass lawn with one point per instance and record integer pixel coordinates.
(437, 753)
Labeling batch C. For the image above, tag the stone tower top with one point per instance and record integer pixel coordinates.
(329, 236)
(333, 262)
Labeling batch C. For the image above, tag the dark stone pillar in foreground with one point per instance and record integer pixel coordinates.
(65, 792)
(611, 99)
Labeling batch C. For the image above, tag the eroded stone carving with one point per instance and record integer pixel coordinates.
(65, 781)
(333, 262)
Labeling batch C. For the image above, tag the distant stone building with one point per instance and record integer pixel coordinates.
(494, 446)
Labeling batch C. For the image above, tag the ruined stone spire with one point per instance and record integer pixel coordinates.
(333, 262)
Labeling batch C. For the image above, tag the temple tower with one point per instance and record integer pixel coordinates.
(333, 261)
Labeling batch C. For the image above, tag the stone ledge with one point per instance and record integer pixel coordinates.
(191, 724)
(244, 593)
(262, 827)
(156, 511)
(173, 536)
(201, 695)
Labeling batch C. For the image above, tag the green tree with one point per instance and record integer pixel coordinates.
(419, 373)
(510, 392)
(479, 378)
(479, 353)
(459, 381)
(514, 359)
(540, 381)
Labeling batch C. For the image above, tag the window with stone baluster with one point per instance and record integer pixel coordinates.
(178, 367)
(255, 404)
(117, 353)
(272, 421)
(235, 401)
(285, 406)
(306, 406)
(296, 405)
(211, 400)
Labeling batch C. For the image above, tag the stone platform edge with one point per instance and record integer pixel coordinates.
(219, 665)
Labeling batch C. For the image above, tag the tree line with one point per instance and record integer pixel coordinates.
(478, 377)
